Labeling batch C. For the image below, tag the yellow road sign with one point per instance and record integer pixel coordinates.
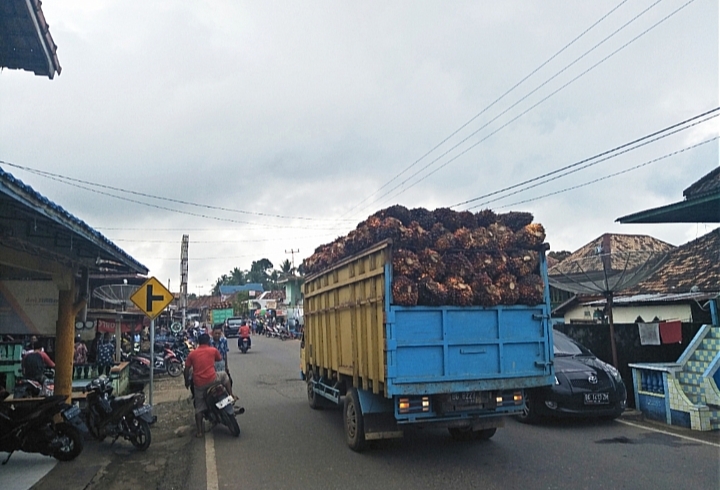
(152, 297)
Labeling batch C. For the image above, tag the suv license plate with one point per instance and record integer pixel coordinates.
(71, 412)
(142, 410)
(597, 398)
(224, 402)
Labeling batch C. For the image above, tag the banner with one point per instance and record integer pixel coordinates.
(108, 325)
(28, 307)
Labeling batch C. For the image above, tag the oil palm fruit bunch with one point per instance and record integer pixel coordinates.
(431, 292)
(404, 291)
(459, 293)
(406, 263)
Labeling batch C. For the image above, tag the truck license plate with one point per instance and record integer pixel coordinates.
(597, 398)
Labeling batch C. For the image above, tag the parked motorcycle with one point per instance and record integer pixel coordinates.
(243, 344)
(221, 409)
(165, 362)
(122, 416)
(31, 427)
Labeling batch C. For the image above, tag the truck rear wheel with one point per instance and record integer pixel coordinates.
(314, 400)
(354, 421)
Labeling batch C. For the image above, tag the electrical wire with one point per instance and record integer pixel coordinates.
(583, 73)
(507, 92)
(594, 160)
(62, 178)
(178, 211)
(609, 176)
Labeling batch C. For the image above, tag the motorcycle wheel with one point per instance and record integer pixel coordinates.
(93, 424)
(231, 424)
(174, 368)
(140, 437)
(73, 442)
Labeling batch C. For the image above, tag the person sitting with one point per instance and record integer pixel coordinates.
(244, 332)
(202, 363)
(34, 363)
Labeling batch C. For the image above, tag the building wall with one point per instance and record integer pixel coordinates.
(628, 314)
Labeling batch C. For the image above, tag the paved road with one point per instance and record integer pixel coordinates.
(285, 444)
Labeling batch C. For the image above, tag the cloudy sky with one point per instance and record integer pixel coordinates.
(280, 125)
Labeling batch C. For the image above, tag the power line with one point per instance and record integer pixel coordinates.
(583, 73)
(611, 175)
(626, 147)
(164, 208)
(542, 65)
(62, 178)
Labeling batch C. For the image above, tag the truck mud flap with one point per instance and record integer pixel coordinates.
(381, 426)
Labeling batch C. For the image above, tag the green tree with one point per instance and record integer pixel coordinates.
(286, 267)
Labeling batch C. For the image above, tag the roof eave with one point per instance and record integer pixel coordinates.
(705, 209)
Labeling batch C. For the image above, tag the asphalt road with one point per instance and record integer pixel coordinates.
(285, 444)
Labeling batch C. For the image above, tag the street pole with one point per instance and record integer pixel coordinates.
(152, 358)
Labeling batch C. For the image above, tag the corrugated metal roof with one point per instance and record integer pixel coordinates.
(25, 40)
(654, 298)
(253, 286)
(26, 196)
(709, 183)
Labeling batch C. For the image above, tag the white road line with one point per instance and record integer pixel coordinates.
(638, 426)
(210, 464)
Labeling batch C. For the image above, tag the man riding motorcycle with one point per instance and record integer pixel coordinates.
(244, 333)
(202, 362)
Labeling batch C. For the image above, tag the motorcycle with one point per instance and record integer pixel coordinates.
(166, 362)
(221, 409)
(125, 416)
(29, 388)
(31, 427)
(243, 344)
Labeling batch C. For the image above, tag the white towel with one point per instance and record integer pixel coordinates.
(649, 333)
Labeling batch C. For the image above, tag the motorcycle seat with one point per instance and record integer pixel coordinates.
(120, 400)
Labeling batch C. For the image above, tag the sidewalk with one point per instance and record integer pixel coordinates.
(636, 417)
(120, 466)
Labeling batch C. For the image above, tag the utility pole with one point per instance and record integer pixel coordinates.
(292, 255)
(184, 277)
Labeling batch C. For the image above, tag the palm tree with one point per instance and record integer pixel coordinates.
(286, 267)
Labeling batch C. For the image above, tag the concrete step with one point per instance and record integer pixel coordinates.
(689, 378)
(693, 392)
(697, 367)
(703, 355)
(714, 333)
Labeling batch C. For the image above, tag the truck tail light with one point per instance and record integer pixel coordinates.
(415, 404)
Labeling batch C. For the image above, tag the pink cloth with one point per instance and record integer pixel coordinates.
(671, 332)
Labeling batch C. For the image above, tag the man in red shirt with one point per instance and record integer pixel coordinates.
(244, 333)
(202, 362)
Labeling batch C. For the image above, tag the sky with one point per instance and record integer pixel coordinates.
(261, 128)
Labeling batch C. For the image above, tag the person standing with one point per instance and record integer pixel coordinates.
(80, 358)
(105, 354)
(219, 341)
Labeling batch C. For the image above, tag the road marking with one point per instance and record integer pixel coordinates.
(638, 426)
(210, 464)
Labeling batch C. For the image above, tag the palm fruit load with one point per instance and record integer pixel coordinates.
(446, 257)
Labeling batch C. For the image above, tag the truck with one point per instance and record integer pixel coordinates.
(392, 367)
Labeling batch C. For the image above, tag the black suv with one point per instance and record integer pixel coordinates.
(232, 326)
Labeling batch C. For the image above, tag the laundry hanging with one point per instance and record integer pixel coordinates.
(671, 332)
(649, 333)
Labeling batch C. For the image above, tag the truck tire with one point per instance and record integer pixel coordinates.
(354, 421)
(461, 433)
(484, 434)
(529, 414)
(314, 400)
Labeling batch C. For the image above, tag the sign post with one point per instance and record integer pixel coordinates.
(152, 298)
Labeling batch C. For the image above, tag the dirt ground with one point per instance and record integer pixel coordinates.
(165, 465)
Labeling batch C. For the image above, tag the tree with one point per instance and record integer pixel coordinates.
(286, 267)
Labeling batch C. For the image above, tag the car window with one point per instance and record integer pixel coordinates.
(564, 346)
